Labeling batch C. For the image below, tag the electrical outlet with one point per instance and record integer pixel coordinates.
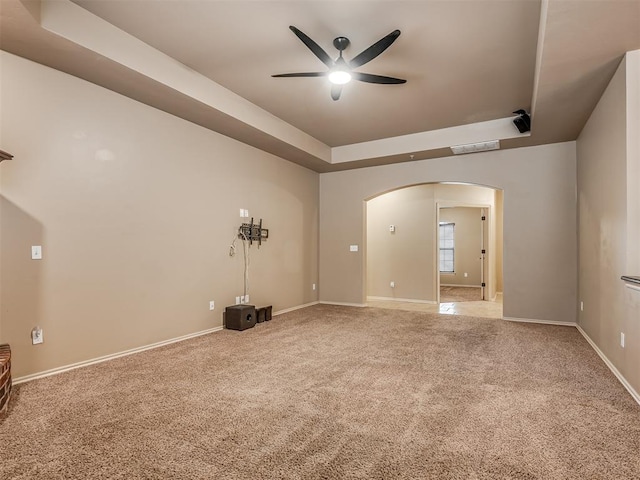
(246, 298)
(392, 284)
(622, 339)
(313, 287)
(36, 252)
(466, 274)
(582, 306)
(237, 300)
(353, 248)
(212, 305)
(37, 336)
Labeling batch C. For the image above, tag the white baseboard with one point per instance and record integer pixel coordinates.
(73, 366)
(343, 304)
(608, 363)
(543, 322)
(287, 310)
(395, 299)
(86, 363)
(462, 286)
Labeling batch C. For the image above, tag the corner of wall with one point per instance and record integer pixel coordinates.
(608, 222)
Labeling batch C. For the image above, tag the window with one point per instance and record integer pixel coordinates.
(447, 243)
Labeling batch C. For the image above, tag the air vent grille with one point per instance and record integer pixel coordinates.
(476, 147)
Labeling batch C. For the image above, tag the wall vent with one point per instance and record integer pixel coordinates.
(476, 147)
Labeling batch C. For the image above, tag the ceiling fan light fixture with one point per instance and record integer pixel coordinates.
(340, 71)
(339, 77)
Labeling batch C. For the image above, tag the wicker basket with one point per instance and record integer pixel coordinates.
(5, 377)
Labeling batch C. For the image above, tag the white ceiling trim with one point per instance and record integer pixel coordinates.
(544, 10)
(68, 20)
(500, 129)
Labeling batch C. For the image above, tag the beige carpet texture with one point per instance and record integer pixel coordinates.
(330, 392)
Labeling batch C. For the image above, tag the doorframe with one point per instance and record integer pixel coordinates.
(436, 254)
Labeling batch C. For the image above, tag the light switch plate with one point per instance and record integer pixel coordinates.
(37, 336)
(353, 248)
(36, 252)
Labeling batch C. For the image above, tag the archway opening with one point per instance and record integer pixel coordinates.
(409, 263)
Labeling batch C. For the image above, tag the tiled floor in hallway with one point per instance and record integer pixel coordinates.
(474, 309)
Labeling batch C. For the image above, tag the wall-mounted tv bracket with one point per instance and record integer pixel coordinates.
(5, 155)
(253, 232)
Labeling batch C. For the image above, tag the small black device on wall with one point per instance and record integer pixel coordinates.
(240, 317)
(522, 121)
(5, 155)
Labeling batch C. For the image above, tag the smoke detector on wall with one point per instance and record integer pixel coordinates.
(476, 147)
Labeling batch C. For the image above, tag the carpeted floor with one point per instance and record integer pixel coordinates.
(460, 294)
(331, 392)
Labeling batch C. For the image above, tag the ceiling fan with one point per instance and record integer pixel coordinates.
(340, 71)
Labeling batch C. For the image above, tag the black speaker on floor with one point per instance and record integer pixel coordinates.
(240, 317)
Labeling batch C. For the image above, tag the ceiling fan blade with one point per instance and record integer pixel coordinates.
(336, 90)
(369, 78)
(305, 74)
(374, 50)
(313, 46)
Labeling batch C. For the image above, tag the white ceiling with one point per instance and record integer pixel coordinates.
(468, 64)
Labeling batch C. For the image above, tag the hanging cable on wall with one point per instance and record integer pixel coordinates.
(245, 251)
(245, 256)
(248, 233)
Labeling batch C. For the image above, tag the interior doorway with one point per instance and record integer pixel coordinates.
(462, 253)
(402, 249)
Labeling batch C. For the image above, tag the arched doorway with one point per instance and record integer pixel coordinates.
(403, 254)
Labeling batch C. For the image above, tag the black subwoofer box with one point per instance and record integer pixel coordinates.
(264, 314)
(240, 317)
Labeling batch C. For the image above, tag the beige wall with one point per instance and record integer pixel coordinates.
(405, 256)
(539, 223)
(1, 148)
(499, 202)
(632, 61)
(604, 160)
(1, 202)
(468, 243)
(135, 210)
